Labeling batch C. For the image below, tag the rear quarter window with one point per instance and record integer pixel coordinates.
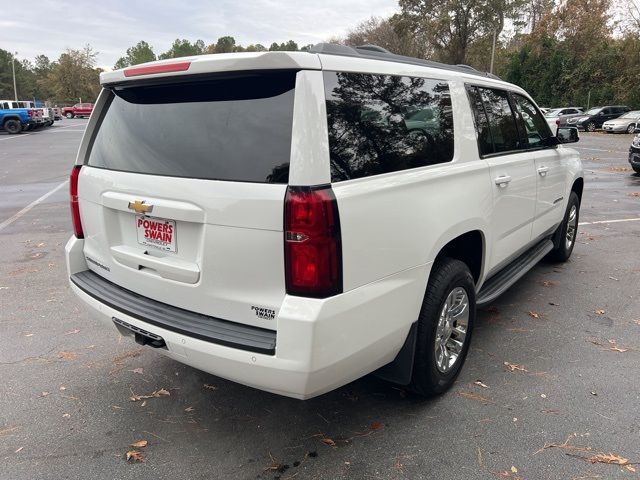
(235, 127)
(382, 123)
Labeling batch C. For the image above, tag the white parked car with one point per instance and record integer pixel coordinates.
(554, 116)
(295, 220)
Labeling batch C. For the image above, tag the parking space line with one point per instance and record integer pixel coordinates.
(15, 136)
(15, 217)
(620, 220)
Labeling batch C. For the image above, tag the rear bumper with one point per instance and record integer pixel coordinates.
(321, 344)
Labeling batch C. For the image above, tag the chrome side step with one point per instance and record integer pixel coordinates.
(501, 281)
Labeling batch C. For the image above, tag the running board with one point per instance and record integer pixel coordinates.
(501, 281)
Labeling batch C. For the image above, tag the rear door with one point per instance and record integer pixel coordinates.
(182, 193)
(512, 170)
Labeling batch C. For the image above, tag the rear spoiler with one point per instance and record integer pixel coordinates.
(220, 62)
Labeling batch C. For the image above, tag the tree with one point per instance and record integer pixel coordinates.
(184, 48)
(289, 46)
(226, 45)
(387, 33)
(449, 27)
(140, 53)
(75, 76)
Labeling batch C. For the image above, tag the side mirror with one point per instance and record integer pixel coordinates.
(600, 113)
(567, 135)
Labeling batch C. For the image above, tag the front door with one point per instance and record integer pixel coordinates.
(550, 172)
(512, 170)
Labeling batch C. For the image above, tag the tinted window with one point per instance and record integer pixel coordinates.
(226, 128)
(381, 123)
(535, 126)
(485, 144)
(502, 124)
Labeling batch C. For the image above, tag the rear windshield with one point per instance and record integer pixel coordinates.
(236, 127)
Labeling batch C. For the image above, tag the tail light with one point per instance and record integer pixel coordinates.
(30, 112)
(75, 207)
(313, 250)
(557, 122)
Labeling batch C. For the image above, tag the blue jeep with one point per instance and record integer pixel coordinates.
(15, 120)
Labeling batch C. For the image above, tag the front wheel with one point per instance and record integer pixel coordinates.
(69, 115)
(590, 127)
(12, 126)
(444, 327)
(631, 128)
(565, 236)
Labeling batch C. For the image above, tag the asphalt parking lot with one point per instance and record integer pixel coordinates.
(551, 379)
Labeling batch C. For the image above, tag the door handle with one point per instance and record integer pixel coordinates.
(543, 171)
(503, 180)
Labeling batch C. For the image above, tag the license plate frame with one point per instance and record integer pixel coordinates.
(155, 232)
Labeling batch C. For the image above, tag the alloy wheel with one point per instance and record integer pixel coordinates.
(451, 332)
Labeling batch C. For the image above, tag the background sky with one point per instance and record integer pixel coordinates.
(111, 26)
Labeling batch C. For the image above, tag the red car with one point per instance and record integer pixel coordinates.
(78, 110)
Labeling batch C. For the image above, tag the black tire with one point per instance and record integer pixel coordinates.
(12, 126)
(69, 115)
(590, 127)
(562, 250)
(447, 274)
(631, 128)
(636, 168)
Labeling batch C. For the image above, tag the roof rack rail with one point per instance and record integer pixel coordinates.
(378, 53)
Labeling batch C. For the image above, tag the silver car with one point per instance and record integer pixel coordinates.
(629, 123)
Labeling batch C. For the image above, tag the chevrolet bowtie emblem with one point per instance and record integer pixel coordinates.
(140, 207)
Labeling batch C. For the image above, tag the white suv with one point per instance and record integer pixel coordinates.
(294, 221)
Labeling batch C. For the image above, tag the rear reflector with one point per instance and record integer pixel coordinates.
(313, 250)
(160, 68)
(73, 197)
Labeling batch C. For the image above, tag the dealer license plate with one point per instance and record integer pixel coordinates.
(158, 233)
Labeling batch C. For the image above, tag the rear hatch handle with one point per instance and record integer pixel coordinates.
(166, 267)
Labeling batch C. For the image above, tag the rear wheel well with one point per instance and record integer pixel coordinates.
(468, 248)
(577, 187)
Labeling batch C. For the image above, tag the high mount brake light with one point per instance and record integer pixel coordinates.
(159, 68)
(73, 201)
(313, 249)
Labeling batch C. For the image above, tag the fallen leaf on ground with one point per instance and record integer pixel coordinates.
(4, 431)
(134, 455)
(475, 396)
(534, 314)
(635, 194)
(480, 384)
(637, 322)
(72, 332)
(66, 415)
(155, 394)
(139, 444)
(565, 445)
(138, 370)
(67, 355)
(600, 312)
(515, 367)
(376, 426)
(18, 450)
(210, 387)
(189, 409)
(547, 283)
(615, 348)
(44, 394)
(328, 441)
(29, 335)
(514, 469)
(542, 395)
(608, 458)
